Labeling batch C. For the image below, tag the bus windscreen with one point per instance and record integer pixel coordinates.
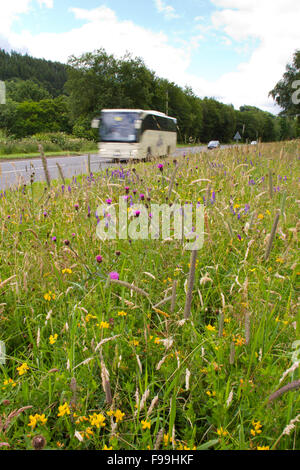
(118, 127)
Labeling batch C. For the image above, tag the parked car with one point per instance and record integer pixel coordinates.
(254, 142)
(213, 144)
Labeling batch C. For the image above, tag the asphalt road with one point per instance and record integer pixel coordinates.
(17, 172)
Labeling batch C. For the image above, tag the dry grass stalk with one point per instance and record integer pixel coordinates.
(287, 388)
(45, 165)
(289, 371)
(230, 229)
(105, 381)
(173, 297)
(159, 439)
(291, 426)
(3, 283)
(272, 236)
(191, 280)
(139, 364)
(172, 180)
(173, 437)
(14, 414)
(129, 286)
(142, 403)
(152, 405)
(187, 379)
(162, 302)
(61, 174)
(161, 362)
(105, 340)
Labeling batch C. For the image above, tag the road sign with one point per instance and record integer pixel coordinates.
(237, 136)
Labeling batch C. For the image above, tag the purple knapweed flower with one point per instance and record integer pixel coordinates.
(114, 275)
(108, 201)
(142, 197)
(99, 259)
(160, 167)
(54, 239)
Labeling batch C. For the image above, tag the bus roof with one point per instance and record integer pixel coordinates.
(145, 111)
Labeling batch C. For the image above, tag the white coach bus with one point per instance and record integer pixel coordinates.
(136, 134)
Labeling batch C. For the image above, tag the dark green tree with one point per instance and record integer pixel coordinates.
(25, 90)
(286, 92)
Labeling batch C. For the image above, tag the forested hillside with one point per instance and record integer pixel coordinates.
(45, 96)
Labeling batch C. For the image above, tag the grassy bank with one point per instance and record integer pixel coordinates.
(93, 364)
(22, 156)
(53, 144)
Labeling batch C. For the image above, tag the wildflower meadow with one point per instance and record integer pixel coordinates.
(140, 344)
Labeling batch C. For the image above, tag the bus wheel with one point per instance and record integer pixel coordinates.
(149, 154)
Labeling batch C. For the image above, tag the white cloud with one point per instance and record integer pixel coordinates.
(102, 29)
(11, 10)
(272, 26)
(275, 25)
(167, 10)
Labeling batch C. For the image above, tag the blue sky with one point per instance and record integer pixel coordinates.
(234, 50)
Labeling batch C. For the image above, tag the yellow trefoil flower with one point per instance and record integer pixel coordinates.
(49, 296)
(122, 314)
(64, 409)
(53, 338)
(211, 328)
(67, 271)
(35, 419)
(8, 382)
(97, 420)
(119, 415)
(222, 432)
(146, 424)
(103, 324)
(23, 368)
